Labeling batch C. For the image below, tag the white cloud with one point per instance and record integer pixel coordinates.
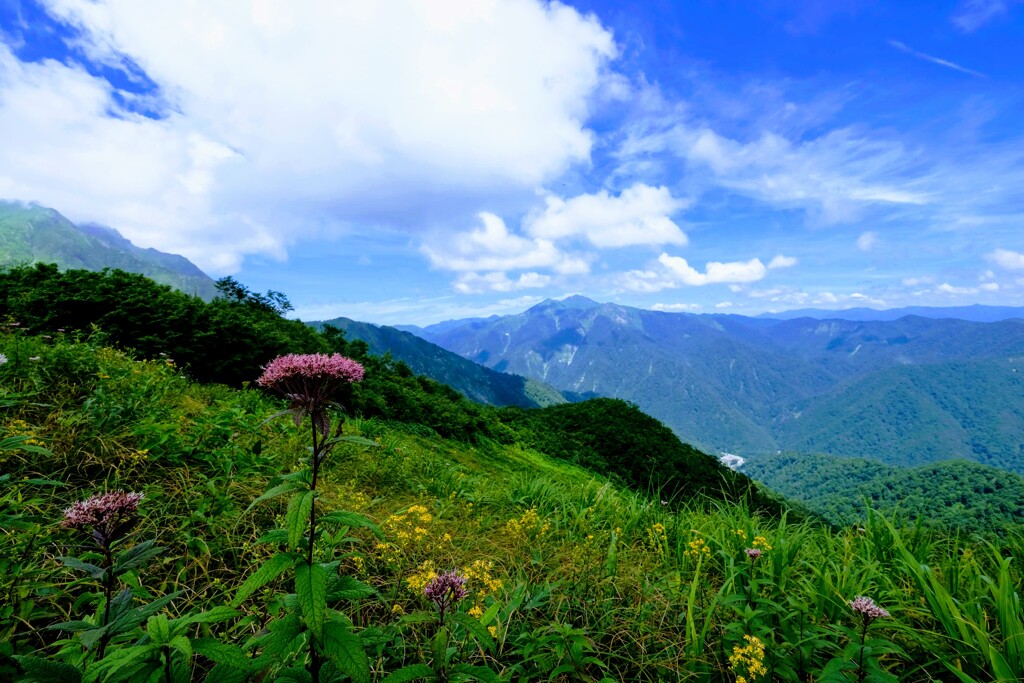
(415, 311)
(474, 283)
(946, 288)
(639, 215)
(676, 308)
(918, 281)
(1005, 258)
(867, 240)
(833, 177)
(973, 14)
(715, 272)
(723, 304)
(780, 261)
(989, 287)
(281, 116)
(646, 281)
(935, 60)
(492, 247)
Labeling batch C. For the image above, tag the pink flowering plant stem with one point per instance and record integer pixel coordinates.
(107, 519)
(314, 386)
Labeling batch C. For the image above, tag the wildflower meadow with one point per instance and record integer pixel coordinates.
(157, 529)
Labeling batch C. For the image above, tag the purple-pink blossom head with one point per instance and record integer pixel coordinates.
(754, 553)
(867, 608)
(446, 589)
(109, 516)
(309, 380)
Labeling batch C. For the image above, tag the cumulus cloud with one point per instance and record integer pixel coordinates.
(867, 240)
(492, 247)
(278, 116)
(723, 304)
(780, 261)
(1005, 258)
(918, 281)
(639, 215)
(715, 272)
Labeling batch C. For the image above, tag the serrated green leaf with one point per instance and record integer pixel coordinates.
(182, 645)
(211, 616)
(350, 519)
(222, 653)
(474, 673)
(297, 518)
(78, 565)
(135, 617)
(42, 670)
(267, 572)
(71, 626)
(223, 673)
(346, 651)
(413, 672)
(311, 590)
(158, 628)
(348, 588)
(475, 628)
(279, 490)
(274, 537)
(136, 557)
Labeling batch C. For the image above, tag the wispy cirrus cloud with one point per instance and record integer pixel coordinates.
(903, 47)
(973, 14)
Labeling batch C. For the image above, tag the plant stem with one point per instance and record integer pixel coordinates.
(314, 656)
(108, 588)
(860, 659)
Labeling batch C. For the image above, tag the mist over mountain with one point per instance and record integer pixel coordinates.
(909, 391)
(34, 234)
(975, 313)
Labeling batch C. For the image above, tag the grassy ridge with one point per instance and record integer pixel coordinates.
(571, 572)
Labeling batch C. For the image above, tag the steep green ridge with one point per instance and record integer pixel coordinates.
(908, 391)
(954, 494)
(34, 234)
(478, 383)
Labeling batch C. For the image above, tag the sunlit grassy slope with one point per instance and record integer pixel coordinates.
(573, 577)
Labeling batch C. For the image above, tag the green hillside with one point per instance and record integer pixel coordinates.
(474, 381)
(34, 234)
(239, 565)
(954, 494)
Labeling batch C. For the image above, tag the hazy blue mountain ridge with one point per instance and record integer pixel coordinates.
(908, 391)
(476, 382)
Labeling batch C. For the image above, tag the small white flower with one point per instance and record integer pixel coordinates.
(34, 358)
(3, 359)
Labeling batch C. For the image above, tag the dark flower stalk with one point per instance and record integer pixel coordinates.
(868, 611)
(107, 517)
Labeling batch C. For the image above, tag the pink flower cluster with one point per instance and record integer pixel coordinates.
(867, 608)
(102, 511)
(753, 553)
(313, 366)
(446, 589)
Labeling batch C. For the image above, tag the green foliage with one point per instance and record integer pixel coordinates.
(956, 494)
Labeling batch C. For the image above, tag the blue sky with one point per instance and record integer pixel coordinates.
(418, 160)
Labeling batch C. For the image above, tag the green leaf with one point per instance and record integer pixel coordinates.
(136, 557)
(211, 616)
(297, 519)
(135, 617)
(475, 628)
(358, 440)
(346, 651)
(158, 628)
(74, 563)
(412, 672)
(182, 645)
(42, 670)
(347, 588)
(226, 674)
(71, 626)
(222, 653)
(462, 672)
(311, 589)
(279, 490)
(274, 537)
(491, 612)
(351, 519)
(267, 572)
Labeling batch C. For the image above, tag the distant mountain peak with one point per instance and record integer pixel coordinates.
(574, 302)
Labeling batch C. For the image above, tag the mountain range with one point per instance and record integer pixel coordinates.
(30, 233)
(909, 391)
